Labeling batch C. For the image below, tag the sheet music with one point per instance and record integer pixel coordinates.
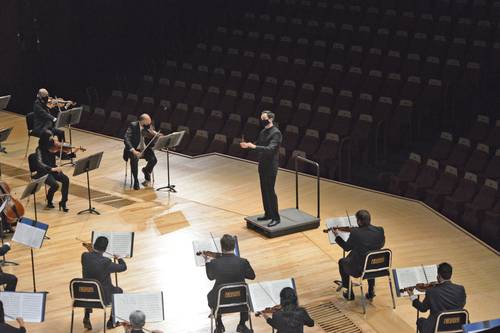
(120, 243)
(29, 306)
(29, 235)
(410, 276)
(149, 303)
(205, 245)
(342, 221)
(267, 293)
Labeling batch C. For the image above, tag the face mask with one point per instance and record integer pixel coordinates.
(264, 122)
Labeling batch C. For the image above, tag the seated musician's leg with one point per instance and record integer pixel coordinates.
(242, 327)
(110, 323)
(345, 279)
(421, 323)
(61, 177)
(134, 165)
(9, 280)
(53, 187)
(59, 133)
(371, 289)
(150, 157)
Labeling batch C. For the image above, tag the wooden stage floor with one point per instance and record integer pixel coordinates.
(214, 194)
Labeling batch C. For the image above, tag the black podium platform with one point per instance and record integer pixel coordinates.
(292, 220)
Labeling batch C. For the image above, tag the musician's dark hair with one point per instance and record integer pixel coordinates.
(288, 299)
(2, 314)
(227, 243)
(101, 244)
(270, 114)
(44, 139)
(364, 216)
(445, 270)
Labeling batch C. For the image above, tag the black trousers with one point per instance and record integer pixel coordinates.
(345, 277)
(116, 290)
(212, 303)
(52, 180)
(267, 175)
(150, 157)
(9, 280)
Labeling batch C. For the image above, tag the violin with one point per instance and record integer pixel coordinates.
(344, 229)
(272, 310)
(209, 254)
(14, 209)
(421, 286)
(90, 247)
(59, 103)
(66, 148)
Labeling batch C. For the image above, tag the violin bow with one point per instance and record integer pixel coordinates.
(348, 218)
(267, 293)
(425, 274)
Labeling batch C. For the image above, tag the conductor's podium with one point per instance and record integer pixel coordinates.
(292, 219)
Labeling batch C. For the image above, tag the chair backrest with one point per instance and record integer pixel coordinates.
(87, 293)
(32, 162)
(451, 321)
(233, 297)
(377, 263)
(30, 119)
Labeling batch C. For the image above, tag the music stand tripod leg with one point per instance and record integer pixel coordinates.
(91, 209)
(169, 187)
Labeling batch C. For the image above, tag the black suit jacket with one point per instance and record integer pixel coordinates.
(227, 268)
(445, 296)
(6, 328)
(268, 147)
(96, 266)
(132, 139)
(361, 241)
(45, 161)
(42, 118)
(291, 322)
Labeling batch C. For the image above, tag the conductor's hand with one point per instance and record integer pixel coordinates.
(20, 321)
(136, 153)
(56, 169)
(246, 145)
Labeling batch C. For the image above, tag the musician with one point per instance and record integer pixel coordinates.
(137, 320)
(6, 328)
(267, 145)
(228, 268)
(290, 318)
(9, 280)
(43, 119)
(444, 296)
(135, 148)
(96, 266)
(361, 240)
(46, 165)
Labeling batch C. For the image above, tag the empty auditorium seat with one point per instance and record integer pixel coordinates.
(186, 138)
(269, 87)
(196, 119)
(478, 159)
(163, 111)
(305, 94)
(130, 118)
(490, 232)
(453, 205)
(234, 81)
(460, 153)
(218, 144)
(426, 179)
(444, 186)
(97, 120)
(397, 184)
(113, 124)
(251, 129)
(327, 154)
(114, 101)
(211, 98)
(198, 144)
(474, 211)
(214, 122)
(334, 75)
(284, 111)
(344, 100)
(325, 97)
(162, 92)
(360, 137)
(232, 127)
(252, 83)
(442, 148)
(479, 130)
(178, 91)
(493, 139)
(392, 85)
(235, 149)
(291, 137)
(411, 89)
(401, 128)
(179, 115)
(310, 142)
(342, 122)
(129, 105)
(194, 95)
(382, 110)
(301, 167)
(147, 106)
(287, 90)
(146, 87)
(321, 119)
(302, 116)
(363, 105)
(492, 170)
(246, 107)
(228, 102)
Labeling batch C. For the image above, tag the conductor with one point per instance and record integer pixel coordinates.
(267, 146)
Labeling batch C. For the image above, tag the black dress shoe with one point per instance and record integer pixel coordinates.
(273, 223)
(347, 296)
(62, 206)
(219, 329)
(263, 218)
(242, 328)
(50, 205)
(370, 296)
(137, 186)
(147, 175)
(110, 324)
(87, 324)
(339, 284)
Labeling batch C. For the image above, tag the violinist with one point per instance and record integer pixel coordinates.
(9, 280)
(136, 147)
(6, 328)
(227, 268)
(288, 317)
(361, 240)
(444, 296)
(43, 119)
(137, 320)
(96, 266)
(46, 164)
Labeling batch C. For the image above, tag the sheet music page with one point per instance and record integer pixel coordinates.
(120, 243)
(205, 245)
(342, 221)
(411, 276)
(28, 235)
(29, 306)
(149, 303)
(267, 293)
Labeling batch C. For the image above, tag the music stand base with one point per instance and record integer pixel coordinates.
(169, 188)
(6, 262)
(90, 210)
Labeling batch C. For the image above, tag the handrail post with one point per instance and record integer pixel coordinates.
(318, 178)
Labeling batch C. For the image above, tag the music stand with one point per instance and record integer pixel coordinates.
(67, 118)
(166, 143)
(85, 165)
(4, 134)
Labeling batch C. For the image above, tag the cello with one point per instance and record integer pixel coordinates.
(14, 209)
